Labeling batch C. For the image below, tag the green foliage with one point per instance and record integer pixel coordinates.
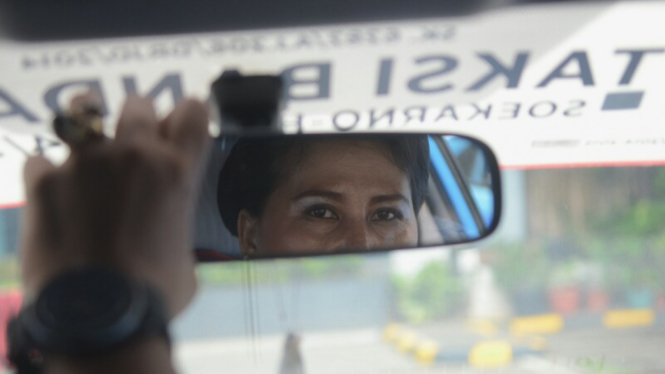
(432, 294)
(339, 267)
(620, 246)
(644, 217)
(611, 262)
(565, 274)
(217, 274)
(272, 271)
(628, 262)
(521, 265)
(10, 273)
(659, 183)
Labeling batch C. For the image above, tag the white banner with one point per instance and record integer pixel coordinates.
(545, 85)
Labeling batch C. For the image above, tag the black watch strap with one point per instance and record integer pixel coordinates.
(22, 353)
(27, 342)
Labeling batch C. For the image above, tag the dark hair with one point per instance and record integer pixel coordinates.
(256, 166)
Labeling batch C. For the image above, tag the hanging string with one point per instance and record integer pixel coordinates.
(245, 301)
(257, 306)
(249, 308)
(295, 301)
(289, 310)
(279, 296)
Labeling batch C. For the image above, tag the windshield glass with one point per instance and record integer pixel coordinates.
(571, 282)
(574, 282)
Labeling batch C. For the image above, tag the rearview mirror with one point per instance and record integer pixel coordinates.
(303, 195)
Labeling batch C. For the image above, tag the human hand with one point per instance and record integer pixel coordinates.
(126, 203)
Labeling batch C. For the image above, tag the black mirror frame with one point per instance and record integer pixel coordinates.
(205, 255)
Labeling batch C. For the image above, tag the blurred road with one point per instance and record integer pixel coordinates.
(639, 351)
(636, 351)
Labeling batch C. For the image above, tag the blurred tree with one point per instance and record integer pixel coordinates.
(432, 294)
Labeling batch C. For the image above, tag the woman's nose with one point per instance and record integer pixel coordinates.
(357, 236)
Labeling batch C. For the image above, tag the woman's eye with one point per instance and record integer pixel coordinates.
(322, 212)
(386, 215)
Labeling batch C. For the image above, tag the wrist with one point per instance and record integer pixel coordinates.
(144, 355)
(88, 316)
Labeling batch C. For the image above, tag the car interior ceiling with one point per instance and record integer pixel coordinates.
(44, 20)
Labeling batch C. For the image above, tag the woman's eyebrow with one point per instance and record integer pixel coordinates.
(390, 198)
(319, 193)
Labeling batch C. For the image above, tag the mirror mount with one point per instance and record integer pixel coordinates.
(248, 104)
(318, 194)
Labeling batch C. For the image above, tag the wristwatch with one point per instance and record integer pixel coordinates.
(84, 312)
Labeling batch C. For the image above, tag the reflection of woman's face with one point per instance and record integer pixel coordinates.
(341, 195)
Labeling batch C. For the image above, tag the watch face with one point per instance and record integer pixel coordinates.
(85, 300)
(86, 310)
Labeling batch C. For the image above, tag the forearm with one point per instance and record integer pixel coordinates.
(144, 356)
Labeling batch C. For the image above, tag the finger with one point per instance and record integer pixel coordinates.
(138, 121)
(34, 170)
(39, 182)
(40, 225)
(187, 129)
